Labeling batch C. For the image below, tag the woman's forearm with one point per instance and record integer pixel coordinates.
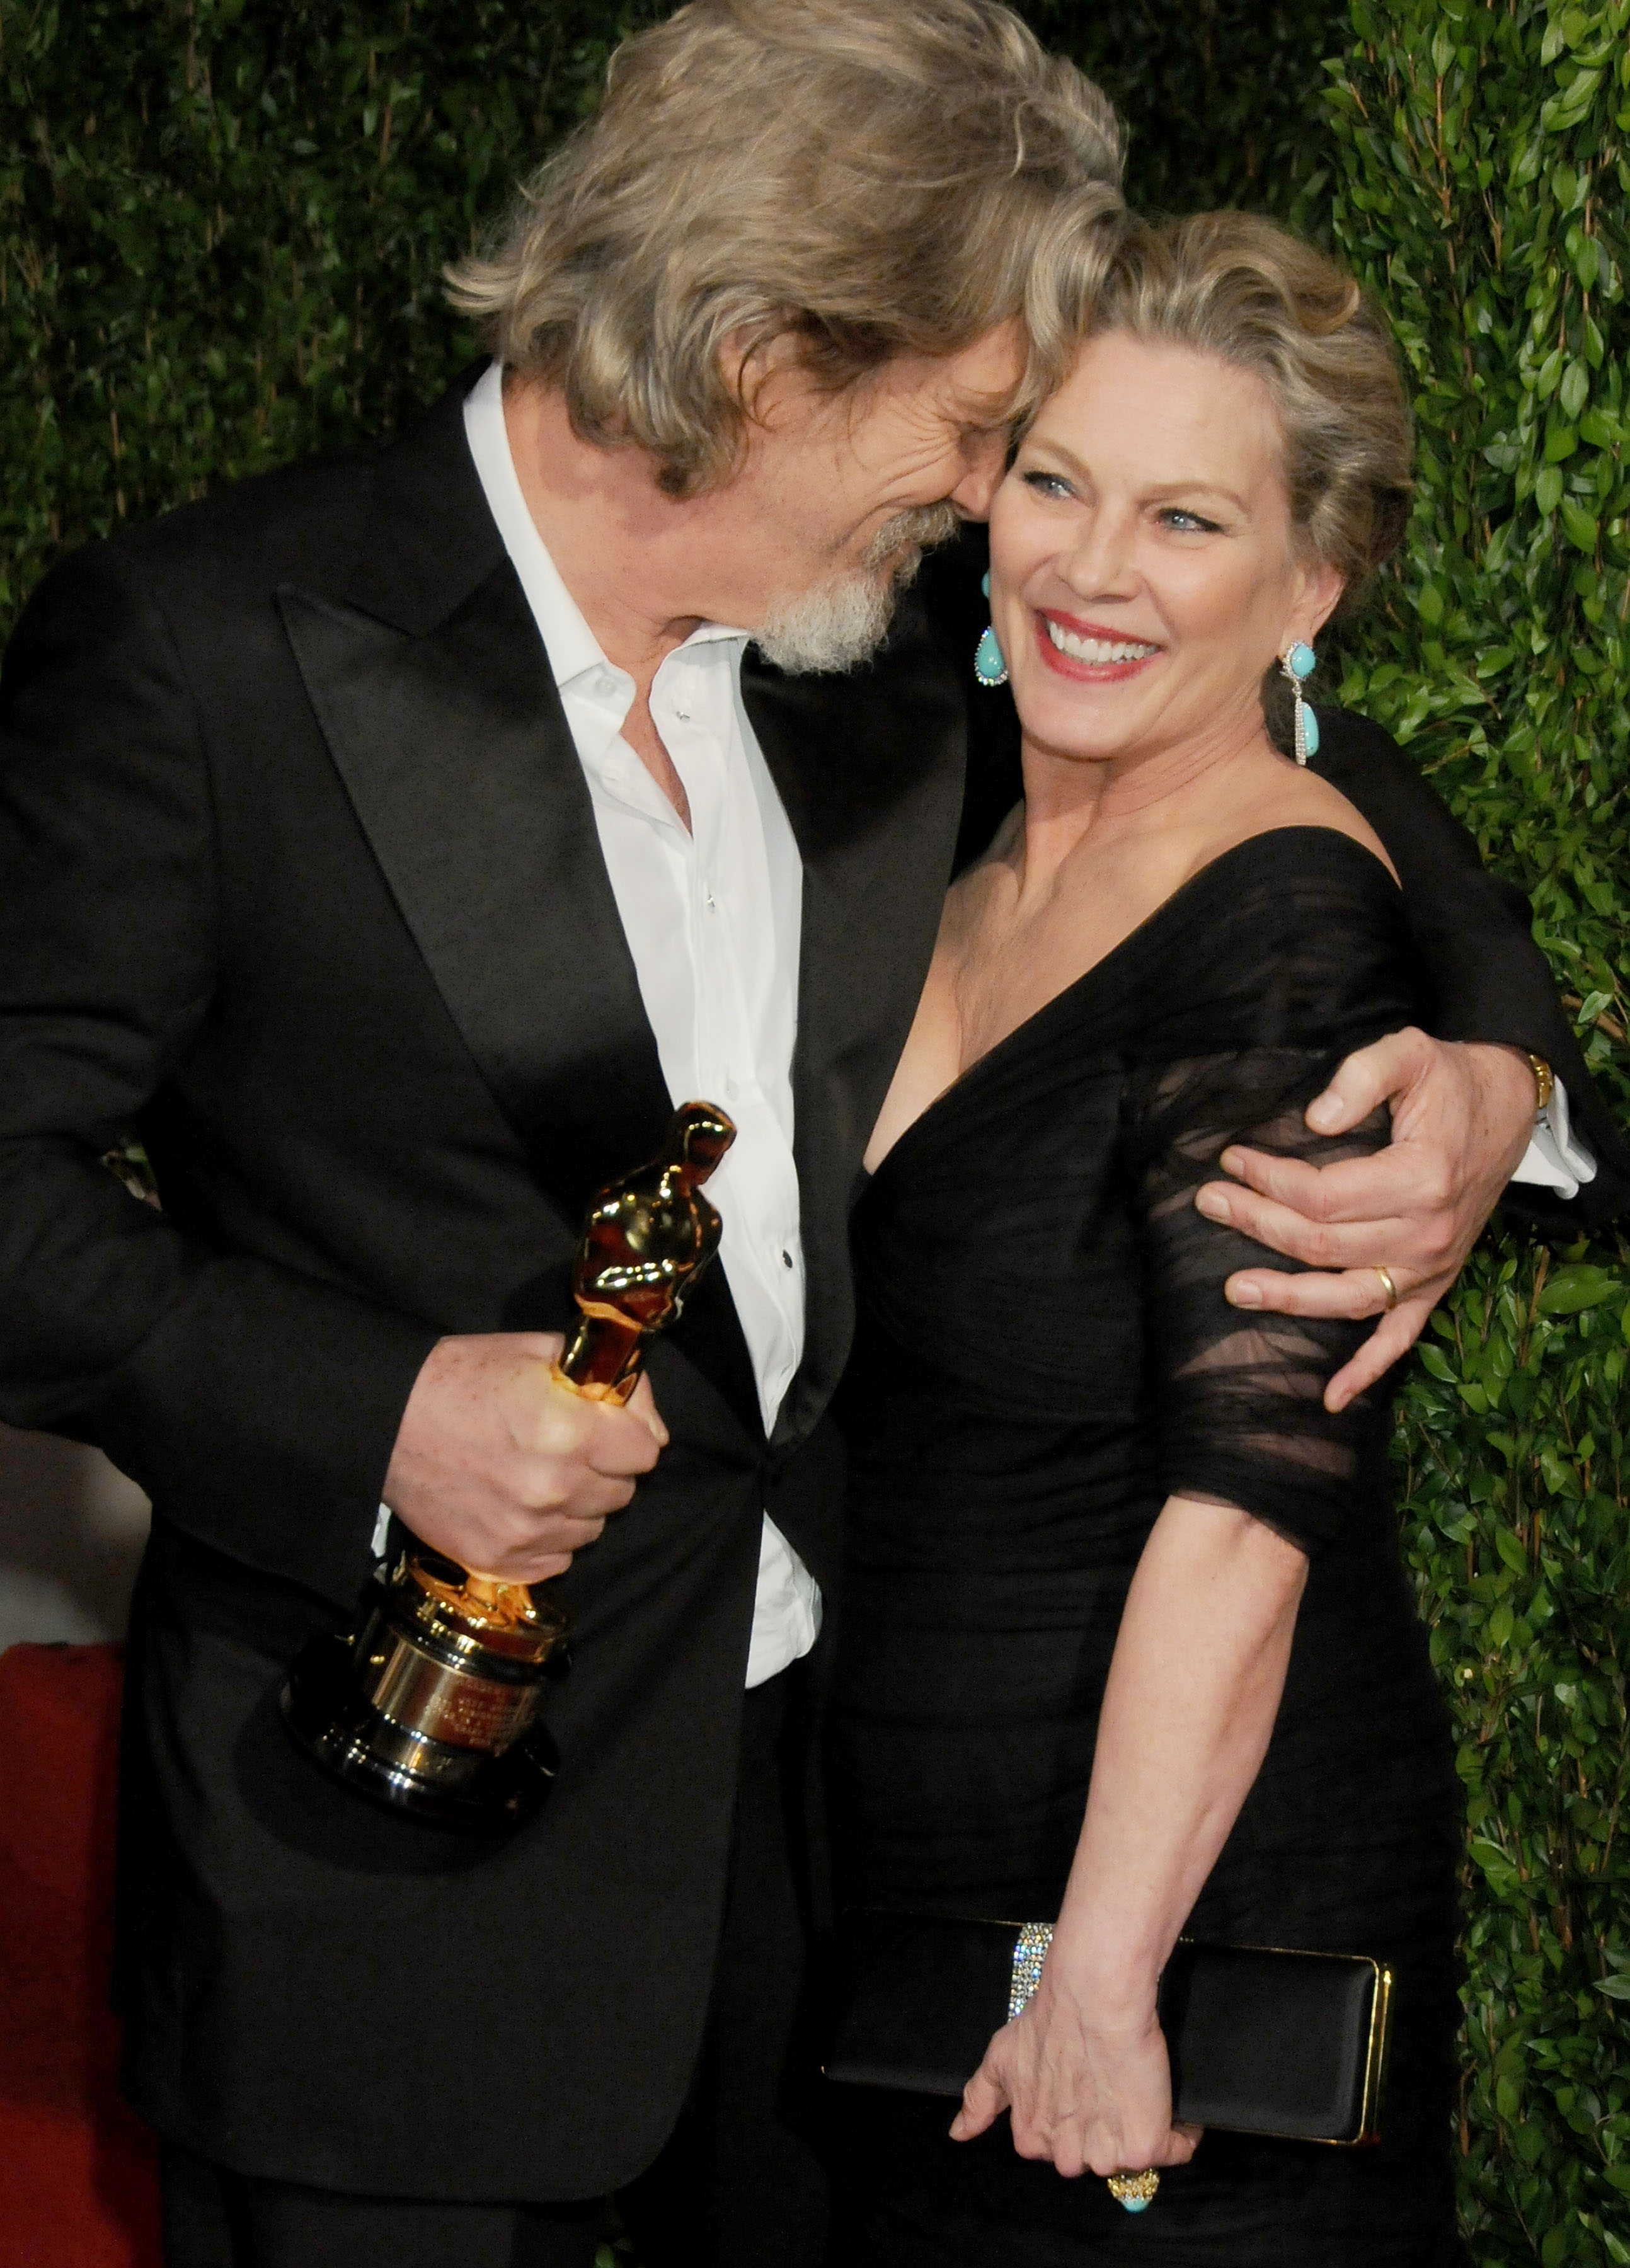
(1188, 1712)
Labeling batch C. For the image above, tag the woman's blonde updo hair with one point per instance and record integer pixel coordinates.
(867, 177)
(1238, 287)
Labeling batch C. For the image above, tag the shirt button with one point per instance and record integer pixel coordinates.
(683, 715)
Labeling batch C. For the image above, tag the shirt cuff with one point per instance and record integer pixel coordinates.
(1555, 1159)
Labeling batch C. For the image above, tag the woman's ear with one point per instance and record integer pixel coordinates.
(1318, 588)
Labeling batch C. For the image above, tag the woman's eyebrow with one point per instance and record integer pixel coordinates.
(1197, 487)
(1202, 489)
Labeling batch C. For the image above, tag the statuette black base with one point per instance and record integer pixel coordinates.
(465, 1789)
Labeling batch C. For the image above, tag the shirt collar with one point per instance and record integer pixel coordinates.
(573, 650)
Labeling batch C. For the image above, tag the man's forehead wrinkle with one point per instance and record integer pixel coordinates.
(988, 412)
(938, 391)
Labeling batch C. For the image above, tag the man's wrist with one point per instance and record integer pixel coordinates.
(1541, 1079)
(1511, 1088)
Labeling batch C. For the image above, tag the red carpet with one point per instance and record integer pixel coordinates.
(78, 2179)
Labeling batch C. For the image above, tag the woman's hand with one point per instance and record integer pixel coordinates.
(1089, 2099)
(1188, 1712)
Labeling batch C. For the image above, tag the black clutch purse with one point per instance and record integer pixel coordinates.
(1262, 2041)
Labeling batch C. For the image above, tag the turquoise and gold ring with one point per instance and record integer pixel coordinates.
(1135, 2192)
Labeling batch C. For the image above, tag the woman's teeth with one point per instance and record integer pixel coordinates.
(1095, 650)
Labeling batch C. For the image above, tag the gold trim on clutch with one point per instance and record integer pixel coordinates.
(1376, 2057)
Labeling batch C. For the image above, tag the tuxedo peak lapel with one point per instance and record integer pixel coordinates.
(460, 767)
(869, 767)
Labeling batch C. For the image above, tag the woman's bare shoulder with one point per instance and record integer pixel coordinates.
(1287, 796)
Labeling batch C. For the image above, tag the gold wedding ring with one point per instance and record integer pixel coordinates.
(1135, 2192)
(1387, 1285)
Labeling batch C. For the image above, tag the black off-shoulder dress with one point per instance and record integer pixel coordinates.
(1045, 1355)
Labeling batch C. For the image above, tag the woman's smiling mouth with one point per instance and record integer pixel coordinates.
(1087, 650)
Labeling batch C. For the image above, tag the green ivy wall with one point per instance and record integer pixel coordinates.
(221, 228)
(1478, 177)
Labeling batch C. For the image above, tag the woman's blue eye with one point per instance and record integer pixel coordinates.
(1188, 523)
(1048, 483)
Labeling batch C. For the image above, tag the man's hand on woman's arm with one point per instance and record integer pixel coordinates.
(1188, 1712)
(1461, 1117)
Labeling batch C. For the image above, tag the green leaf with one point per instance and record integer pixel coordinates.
(1501, 1874)
(1576, 389)
(1570, 1291)
(1580, 526)
(1511, 1549)
(1557, 1474)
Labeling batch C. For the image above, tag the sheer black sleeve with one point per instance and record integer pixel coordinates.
(1305, 965)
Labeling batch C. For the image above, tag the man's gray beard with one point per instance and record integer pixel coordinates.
(842, 624)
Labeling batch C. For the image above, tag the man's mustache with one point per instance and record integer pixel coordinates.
(901, 541)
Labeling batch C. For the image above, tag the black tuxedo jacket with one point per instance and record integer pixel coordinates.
(298, 872)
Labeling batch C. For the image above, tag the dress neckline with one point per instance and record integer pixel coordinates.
(1154, 919)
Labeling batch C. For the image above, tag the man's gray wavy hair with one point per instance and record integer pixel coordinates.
(867, 178)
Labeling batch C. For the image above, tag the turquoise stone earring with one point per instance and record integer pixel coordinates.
(990, 665)
(1297, 662)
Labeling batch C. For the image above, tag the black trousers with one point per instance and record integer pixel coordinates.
(738, 2185)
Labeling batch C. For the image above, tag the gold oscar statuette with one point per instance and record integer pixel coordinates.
(430, 1703)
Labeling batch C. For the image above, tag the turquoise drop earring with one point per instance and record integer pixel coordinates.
(1300, 661)
(990, 665)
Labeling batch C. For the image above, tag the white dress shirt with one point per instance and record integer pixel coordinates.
(712, 918)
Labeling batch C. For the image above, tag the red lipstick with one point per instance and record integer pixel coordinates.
(1087, 672)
